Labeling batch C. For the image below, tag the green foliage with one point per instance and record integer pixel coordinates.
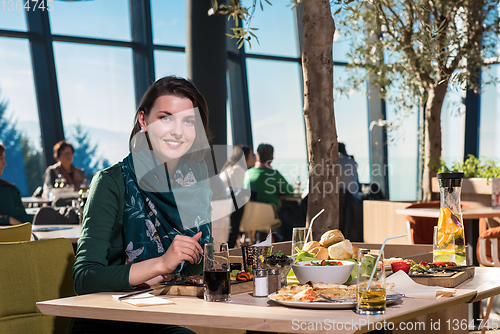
(237, 12)
(408, 47)
(473, 167)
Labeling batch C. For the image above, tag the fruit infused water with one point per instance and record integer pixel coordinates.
(450, 223)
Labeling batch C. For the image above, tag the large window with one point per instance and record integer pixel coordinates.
(277, 32)
(19, 124)
(453, 126)
(10, 18)
(489, 139)
(276, 112)
(97, 19)
(351, 120)
(402, 151)
(170, 63)
(96, 92)
(169, 22)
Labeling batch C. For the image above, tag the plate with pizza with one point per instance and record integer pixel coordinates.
(307, 296)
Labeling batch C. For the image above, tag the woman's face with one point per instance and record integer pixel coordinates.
(66, 156)
(170, 126)
(2, 162)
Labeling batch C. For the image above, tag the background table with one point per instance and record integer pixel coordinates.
(34, 200)
(71, 232)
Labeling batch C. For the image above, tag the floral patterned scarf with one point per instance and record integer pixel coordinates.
(156, 209)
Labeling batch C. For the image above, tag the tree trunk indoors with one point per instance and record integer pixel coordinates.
(319, 116)
(432, 136)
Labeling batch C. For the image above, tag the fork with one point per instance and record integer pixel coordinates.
(330, 300)
(162, 286)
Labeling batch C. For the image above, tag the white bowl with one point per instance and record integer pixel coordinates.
(325, 274)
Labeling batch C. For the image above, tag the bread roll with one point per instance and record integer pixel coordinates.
(321, 253)
(340, 251)
(355, 252)
(331, 237)
(310, 245)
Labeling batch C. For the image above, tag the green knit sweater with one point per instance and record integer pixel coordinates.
(268, 184)
(11, 204)
(100, 255)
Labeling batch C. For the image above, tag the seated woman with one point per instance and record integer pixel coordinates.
(149, 215)
(233, 175)
(63, 153)
(12, 210)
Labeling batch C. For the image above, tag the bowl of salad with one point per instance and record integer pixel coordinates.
(326, 271)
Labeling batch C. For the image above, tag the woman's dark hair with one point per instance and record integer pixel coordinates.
(238, 151)
(2, 148)
(60, 146)
(265, 152)
(180, 87)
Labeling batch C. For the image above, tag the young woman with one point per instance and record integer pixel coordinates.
(63, 153)
(149, 215)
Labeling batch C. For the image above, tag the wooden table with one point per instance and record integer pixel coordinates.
(71, 232)
(244, 312)
(472, 234)
(471, 214)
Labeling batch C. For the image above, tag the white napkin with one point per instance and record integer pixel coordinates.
(404, 284)
(266, 242)
(144, 300)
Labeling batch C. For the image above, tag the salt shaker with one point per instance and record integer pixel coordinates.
(260, 283)
(274, 280)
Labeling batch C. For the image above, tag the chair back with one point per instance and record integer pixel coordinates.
(15, 233)
(48, 215)
(30, 272)
(421, 228)
(259, 217)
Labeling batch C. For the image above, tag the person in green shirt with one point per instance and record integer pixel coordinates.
(148, 216)
(267, 185)
(12, 210)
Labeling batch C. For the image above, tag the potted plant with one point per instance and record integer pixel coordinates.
(481, 182)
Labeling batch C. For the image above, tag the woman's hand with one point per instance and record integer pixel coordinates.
(182, 248)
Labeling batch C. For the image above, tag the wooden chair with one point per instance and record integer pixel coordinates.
(30, 272)
(420, 229)
(258, 217)
(487, 254)
(15, 233)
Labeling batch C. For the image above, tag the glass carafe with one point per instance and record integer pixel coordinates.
(450, 223)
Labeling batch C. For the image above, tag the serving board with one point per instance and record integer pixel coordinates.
(445, 282)
(197, 291)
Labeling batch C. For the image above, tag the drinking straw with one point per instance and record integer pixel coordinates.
(310, 226)
(378, 258)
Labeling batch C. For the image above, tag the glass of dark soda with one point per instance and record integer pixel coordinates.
(216, 272)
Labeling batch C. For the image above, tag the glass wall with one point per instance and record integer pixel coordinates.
(169, 22)
(10, 18)
(170, 63)
(351, 119)
(97, 99)
(19, 124)
(277, 31)
(276, 113)
(95, 19)
(489, 136)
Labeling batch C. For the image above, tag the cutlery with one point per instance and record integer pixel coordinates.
(331, 300)
(162, 285)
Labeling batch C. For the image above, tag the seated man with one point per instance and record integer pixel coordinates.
(268, 185)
